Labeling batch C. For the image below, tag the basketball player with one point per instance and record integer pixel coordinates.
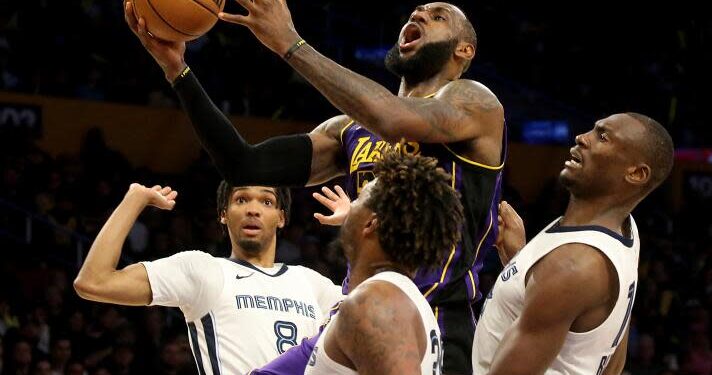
(458, 121)
(241, 312)
(406, 219)
(562, 305)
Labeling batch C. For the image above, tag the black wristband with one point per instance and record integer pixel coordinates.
(181, 76)
(294, 48)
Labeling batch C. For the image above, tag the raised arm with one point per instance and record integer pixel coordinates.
(293, 160)
(98, 279)
(537, 336)
(462, 110)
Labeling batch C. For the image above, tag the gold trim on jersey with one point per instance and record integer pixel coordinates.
(472, 280)
(341, 134)
(468, 161)
(452, 252)
(482, 240)
(437, 310)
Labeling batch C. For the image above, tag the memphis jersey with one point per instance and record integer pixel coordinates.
(431, 364)
(240, 316)
(456, 279)
(581, 353)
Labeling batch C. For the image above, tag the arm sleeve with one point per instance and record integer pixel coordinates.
(190, 280)
(278, 161)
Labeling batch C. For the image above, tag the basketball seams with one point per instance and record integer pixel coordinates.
(219, 3)
(158, 14)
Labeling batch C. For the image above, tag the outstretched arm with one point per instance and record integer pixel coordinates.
(98, 279)
(462, 110)
(293, 160)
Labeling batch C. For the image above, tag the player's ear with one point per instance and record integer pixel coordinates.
(371, 225)
(223, 220)
(282, 220)
(465, 50)
(638, 175)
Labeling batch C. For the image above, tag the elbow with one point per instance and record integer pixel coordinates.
(85, 288)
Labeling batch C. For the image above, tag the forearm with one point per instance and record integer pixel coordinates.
(279, 161)
(105, 252)
(522, 353)
(362, 99)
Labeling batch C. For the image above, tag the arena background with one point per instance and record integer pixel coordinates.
(84, 111)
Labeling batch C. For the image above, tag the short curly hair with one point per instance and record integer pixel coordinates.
(420, 215)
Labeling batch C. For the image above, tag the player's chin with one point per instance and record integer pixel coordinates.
(250, 245)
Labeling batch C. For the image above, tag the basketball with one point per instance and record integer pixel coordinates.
(178, 20)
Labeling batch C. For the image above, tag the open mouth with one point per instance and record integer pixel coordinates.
(251, 229)
(411, 36)
(575, 161)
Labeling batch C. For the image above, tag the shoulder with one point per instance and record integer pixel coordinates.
(333, 126)
(575, 268)
(310, 274)
(469, 93)
(377, 301)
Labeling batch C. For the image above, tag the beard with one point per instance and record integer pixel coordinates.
(250, 246)
(424, 64)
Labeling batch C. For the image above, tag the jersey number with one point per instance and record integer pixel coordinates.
(436, 345)
(631, 297)
(286, 335)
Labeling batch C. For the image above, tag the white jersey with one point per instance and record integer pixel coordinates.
(321, 364)
(582, 353)
(240, 316)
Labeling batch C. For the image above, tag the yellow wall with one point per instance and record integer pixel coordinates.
(158, 138)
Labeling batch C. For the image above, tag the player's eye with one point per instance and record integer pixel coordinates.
(241, 200)
(439, 18)
(268, 202)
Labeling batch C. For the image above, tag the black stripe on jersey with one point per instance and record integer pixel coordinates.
(196, 348)
(210, 337)
(251, 266)
(558, 228)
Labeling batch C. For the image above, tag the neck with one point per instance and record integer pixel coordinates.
(423, 88)
(262, 258)
(361, 271)
(600, 211)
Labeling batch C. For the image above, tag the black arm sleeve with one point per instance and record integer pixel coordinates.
(278, 161)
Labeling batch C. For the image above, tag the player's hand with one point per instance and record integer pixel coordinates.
(157, 196)
(338, 202)
(512, 236)
(168, 55)
(269, 20)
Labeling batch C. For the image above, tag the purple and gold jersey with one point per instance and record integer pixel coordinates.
(455, 280)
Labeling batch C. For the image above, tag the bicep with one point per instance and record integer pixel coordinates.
(128, 286)
(327, 155)
(553, 300)
(380, 338)
(462, 110)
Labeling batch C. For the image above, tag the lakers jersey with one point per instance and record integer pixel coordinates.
(582, 353)
(240, 316)
(431, 364)
(455, 280)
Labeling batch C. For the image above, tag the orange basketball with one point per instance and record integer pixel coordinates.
(178, 20)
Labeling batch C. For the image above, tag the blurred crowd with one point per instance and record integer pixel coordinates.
(545, 61)
(594, 60)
